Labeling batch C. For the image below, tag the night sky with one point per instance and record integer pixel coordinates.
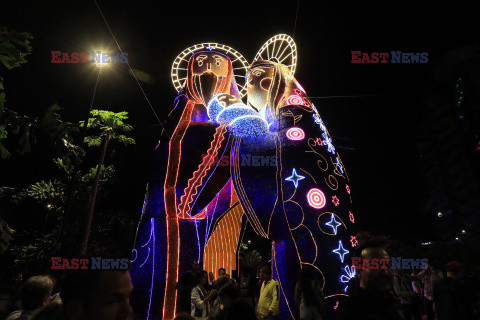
(375, 123)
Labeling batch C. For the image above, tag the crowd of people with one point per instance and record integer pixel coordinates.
(404, 295)
(382, 294)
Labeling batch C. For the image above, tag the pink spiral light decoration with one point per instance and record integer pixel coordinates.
(295, 134)
(316, 198)
(294, 100)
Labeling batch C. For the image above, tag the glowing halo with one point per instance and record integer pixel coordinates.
(295, 134)
(280, 48)
(316, 198)
(239, 63)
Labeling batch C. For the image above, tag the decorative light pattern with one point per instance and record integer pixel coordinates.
(341, 251)
(295, 134)
(334, 224)
(353, 241)
(347, 188)
(350, 273)
(351, 217)
(316, 198)
(318, 142)
(336, 305)
(328, 142)
(294, 100)
(335, 201)
(280, 48)
(240, 64)
(339, 165)
(319, 121)
(295, 178)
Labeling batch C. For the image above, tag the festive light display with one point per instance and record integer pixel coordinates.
(295, 134)
(196, 209)
(295, 178)
(316, 198)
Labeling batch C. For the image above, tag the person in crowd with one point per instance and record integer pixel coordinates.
(185, 285)
(94, 294)
(374, 298)
(269, 295)
(247, 288)
(227, 293)
(404, 290)
(430, 278)
(35, 294)
(52, 311)
(200, 298)
(240, 310)
(217, 311)
(211, 282)
(222, 272)
(452, 297)
(309, 296)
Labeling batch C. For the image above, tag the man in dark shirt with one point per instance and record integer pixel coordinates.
(373, 299)
(452, 299)
(185, 286)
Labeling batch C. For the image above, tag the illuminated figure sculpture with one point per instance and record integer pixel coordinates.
(195, 208)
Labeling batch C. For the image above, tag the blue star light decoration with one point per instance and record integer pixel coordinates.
(334, 224)
(295, 178)
(350, 273)
(341, 251)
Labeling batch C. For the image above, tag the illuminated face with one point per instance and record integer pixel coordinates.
(258, 83)
(210, 62)
(209, 73)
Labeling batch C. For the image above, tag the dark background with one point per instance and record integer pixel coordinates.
(375, 123)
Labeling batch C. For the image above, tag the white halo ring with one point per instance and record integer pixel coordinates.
(281, 49)
(239, 64)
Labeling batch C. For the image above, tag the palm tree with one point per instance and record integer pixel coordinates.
(111, 126)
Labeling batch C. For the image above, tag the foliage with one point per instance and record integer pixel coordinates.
(109, 124)
(5, 236)
(249, 260)
(14, 46)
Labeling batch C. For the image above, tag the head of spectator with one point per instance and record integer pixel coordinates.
(220, 282)
(227, 295)
(375, 280)
(194, 266)
(202, 279)
(265, 272)
(211, 277)
(36, 292)
(184, 316)
(96, 295)
(53, 311)
(454, 270)
(240, 310)
(222, 272)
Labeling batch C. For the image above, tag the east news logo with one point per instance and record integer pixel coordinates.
(386, 57)
(92, 57)
(92, 263)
